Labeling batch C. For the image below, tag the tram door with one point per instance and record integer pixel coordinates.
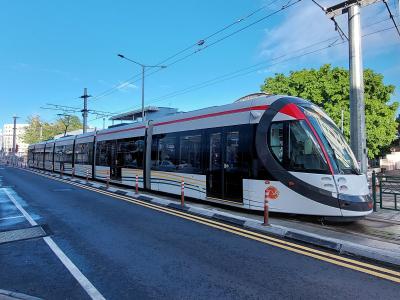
(224, 167)
(113, 160)
(215, 174)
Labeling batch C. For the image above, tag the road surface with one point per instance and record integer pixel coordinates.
(120, 250)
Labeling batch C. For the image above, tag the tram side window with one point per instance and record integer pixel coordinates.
(294, 145)
(276, 140)
(84, 153)
(68, 154)
(102, 154)
(48, 156)
(164, 153)
(305, 153)
(58, 153)
(130, 153)
(232, 161)
(190, 154)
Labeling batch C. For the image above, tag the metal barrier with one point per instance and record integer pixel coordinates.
(386, 191)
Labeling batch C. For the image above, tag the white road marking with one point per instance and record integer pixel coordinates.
(83, 281)
(8, 218)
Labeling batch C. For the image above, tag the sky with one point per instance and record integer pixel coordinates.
(52, 50)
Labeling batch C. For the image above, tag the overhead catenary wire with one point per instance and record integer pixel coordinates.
(337, 27)
(132, 80)
(226, 27)
(251, 69)
(392, 17)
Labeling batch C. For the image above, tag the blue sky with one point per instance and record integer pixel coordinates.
(51, 50)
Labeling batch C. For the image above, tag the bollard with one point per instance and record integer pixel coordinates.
(266, 208)
(183, 192)
(108, 182)
(87, 176)
(72, 172)
(137, 184)
(373, 183)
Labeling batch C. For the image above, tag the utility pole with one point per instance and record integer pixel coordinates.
(85, 96)
(357, 104)
(14, 135)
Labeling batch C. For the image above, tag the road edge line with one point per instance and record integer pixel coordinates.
(89, 288)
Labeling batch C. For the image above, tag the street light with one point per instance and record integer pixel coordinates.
(143, 71)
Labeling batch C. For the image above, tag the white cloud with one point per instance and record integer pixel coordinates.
(307, 24)
(126, 86)
(121, 86)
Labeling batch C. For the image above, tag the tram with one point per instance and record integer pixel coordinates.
(280, 147)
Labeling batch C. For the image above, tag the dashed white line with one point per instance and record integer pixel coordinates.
(83, 281)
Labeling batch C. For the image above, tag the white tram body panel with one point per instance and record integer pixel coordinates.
(277, 147)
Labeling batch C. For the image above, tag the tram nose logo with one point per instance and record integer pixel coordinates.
(272, 193)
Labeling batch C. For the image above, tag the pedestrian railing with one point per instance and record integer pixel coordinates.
(386, 191)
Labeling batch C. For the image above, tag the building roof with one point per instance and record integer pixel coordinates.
(137, 114)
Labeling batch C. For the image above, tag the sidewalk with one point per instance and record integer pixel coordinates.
(375, 238)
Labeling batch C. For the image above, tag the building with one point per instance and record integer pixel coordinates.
(7, 139)
(73, 132)
(151, 113)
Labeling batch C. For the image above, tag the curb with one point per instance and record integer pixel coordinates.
(336, 245)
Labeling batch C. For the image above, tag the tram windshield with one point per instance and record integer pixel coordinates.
(338, 150)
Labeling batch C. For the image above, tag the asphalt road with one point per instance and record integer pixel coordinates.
(132, 252)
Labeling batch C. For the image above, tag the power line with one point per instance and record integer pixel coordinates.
(240, 72)
(337, 27)
(250, 69)
(391, 16)
(284, 7)
(202, 40)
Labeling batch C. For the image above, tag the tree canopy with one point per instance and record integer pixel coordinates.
(329, 88)
(39, 130)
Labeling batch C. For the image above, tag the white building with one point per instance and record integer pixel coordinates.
(7, 141)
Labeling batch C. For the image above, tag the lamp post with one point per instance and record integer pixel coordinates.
(143, 71)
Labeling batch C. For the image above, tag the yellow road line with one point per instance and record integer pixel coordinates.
(300, 249)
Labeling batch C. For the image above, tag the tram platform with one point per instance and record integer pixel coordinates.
(376, 238)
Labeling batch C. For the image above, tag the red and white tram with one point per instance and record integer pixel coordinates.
(228, 154)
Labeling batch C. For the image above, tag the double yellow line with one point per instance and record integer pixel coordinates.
(367, 268)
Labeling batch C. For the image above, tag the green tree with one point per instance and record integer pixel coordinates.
(39, 130)
(329, 88)
(67, 123)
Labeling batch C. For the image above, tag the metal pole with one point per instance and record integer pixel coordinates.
(357, 105)
(143, 115)
(183, 192)
(373, 184)
(14, 135)
(137, 184)
(84, 112)
(342, 121)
